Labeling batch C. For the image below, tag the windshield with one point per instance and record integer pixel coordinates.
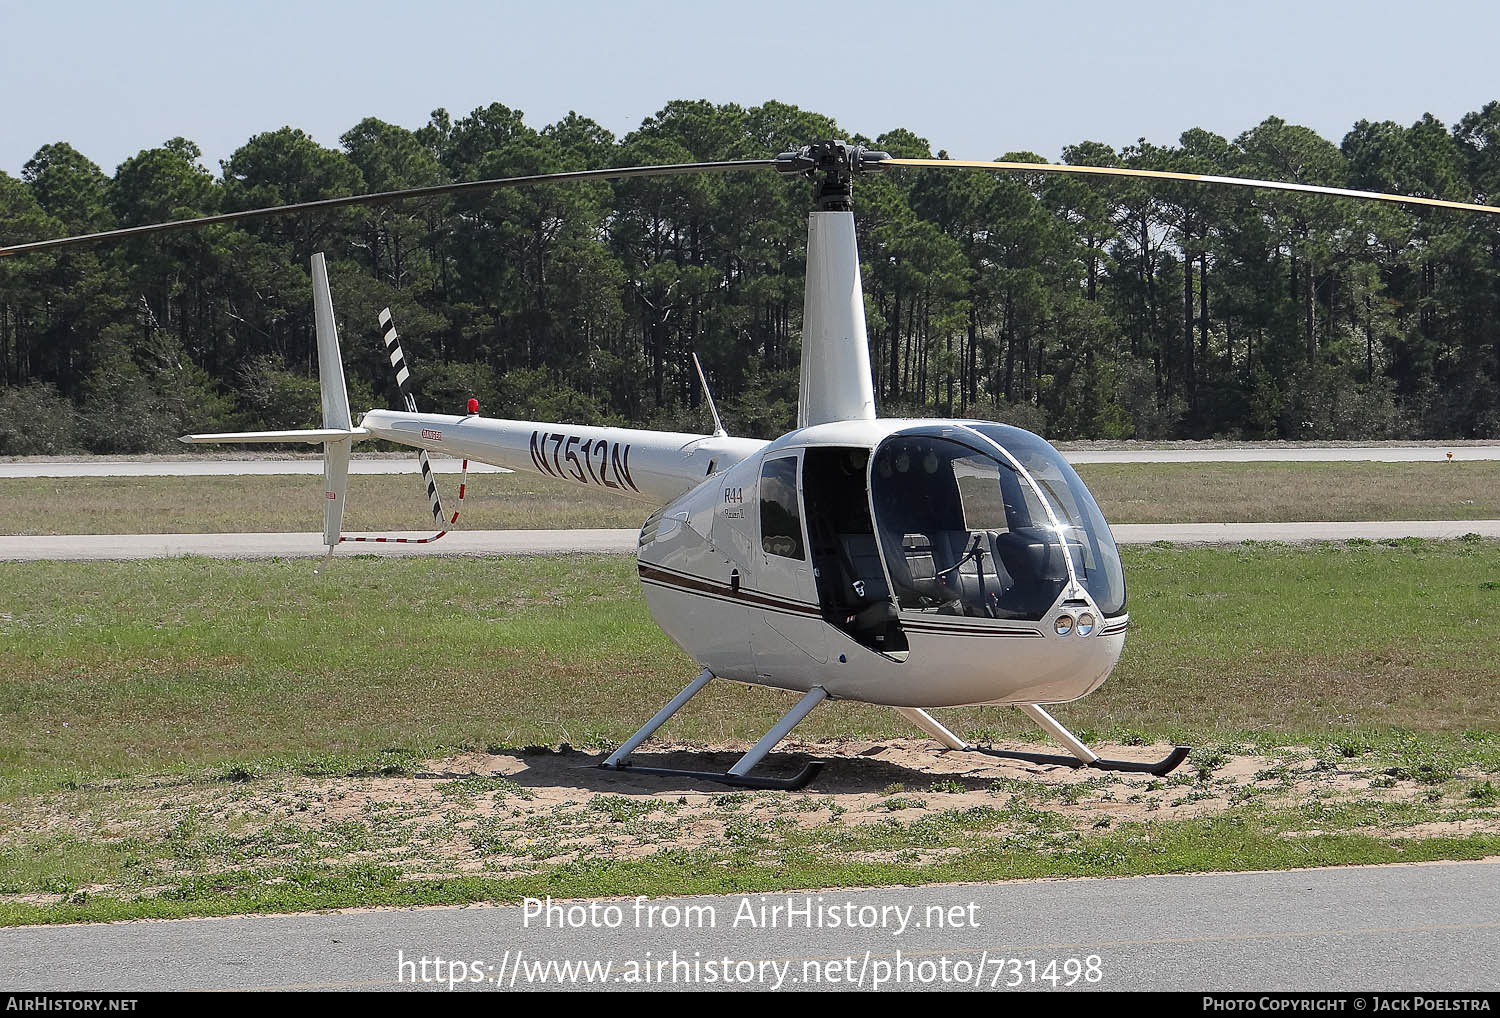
(962, 532)
(1096, 560)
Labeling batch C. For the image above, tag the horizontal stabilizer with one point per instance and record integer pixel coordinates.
(311, 435)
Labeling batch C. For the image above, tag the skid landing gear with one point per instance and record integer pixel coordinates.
(739, 775)
(1081, 756)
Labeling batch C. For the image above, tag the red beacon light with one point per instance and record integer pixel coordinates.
(473, 405)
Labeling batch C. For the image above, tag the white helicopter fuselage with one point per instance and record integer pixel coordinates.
(747, 610)
(720, 587)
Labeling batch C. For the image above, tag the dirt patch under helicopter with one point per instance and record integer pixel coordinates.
(512, 813)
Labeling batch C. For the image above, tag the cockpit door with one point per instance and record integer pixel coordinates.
(791, 629)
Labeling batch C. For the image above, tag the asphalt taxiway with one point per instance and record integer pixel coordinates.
(124, 547)
(149, 467)
(1388, 928)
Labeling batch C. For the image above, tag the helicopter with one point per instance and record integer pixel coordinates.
(910, 564)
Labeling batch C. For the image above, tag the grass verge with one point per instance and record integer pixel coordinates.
(1127, 492)
(118, 669)
(1236, 844)
(290, 503)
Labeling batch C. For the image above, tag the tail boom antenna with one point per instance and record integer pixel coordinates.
(719, 431)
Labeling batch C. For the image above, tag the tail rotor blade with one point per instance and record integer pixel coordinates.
(403, 388)
(398, 360)
(431, 484)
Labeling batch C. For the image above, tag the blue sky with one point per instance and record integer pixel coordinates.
(977, 79)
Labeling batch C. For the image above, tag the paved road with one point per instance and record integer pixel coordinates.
(152, 467)
(106, 547)
(220, 468)
(98, 547)
(1234, 533)
(1288, 454)
(1433, 927)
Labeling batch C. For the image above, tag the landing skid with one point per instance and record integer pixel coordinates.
(1081, 756)
(791, 784)
(1166, 765)
(739, 775)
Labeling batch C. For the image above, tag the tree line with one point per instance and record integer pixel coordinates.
(1079, 308)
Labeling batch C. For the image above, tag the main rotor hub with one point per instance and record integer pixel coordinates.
(834, 163)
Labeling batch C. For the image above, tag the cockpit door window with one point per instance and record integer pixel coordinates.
(780, 518)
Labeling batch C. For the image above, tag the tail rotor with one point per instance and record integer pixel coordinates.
(409, 403)
(429, 482)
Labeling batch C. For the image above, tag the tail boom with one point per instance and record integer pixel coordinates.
(647, 466)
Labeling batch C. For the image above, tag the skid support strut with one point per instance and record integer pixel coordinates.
(739, 775)
(1082, 755)
(932, 727)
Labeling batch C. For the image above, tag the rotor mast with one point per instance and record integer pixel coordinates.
(836, 383)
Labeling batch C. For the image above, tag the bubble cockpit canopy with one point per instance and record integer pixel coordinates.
(964, 532)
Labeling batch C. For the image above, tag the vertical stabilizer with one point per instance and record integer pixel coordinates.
(836, 383)
(335, 489)
(335, 406)
(330, 363)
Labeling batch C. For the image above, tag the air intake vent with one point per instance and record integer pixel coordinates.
(650, 527)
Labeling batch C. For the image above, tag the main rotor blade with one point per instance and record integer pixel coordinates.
(1200, 178)
(616, 173)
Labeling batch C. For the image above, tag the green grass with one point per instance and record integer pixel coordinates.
(1127, 492)
(1292, 492)
(160, 682)
(118, 669)
(1244, 841)
(289, 503)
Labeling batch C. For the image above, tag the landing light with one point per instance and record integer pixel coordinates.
(1085, 624)
(1063, 625)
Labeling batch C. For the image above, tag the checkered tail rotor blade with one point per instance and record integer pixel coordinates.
(409, 403)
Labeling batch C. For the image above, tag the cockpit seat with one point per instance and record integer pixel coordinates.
(980, 576)
(863, 556)
(915, 561)
(1035, 563)
(865, 608)
(927, 560)
(1029, 553)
